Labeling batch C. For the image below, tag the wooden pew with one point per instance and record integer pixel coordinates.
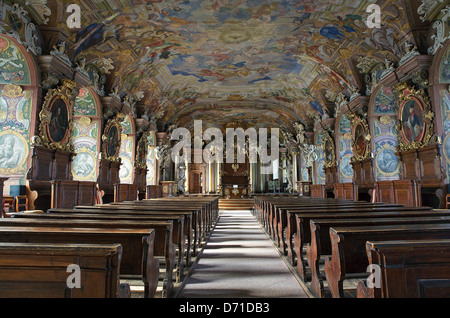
(276, 218)
(270, 210)
(409, 269)
(208, 205)
(283, 235)
(137, 262)
(348, 246)
(189, 226)
(178, 232)
(164, 249)
(275, 215)
(298, 229)
(321, 244)
(196, 224)
(29, 270)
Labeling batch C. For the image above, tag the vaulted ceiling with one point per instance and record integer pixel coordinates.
(260, 62)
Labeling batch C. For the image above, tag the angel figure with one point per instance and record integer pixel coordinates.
(300, 133)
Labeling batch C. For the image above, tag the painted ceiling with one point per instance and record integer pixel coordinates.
(260, 61)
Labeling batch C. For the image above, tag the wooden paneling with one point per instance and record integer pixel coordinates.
(153, 191)
(69, 193)
(347, 191)
(168, 188)
(363, 173)
(125, 192)
(385, 192)
(318, 191)
(108, 175)
(46, 165)
(331, 177)
(407, 192)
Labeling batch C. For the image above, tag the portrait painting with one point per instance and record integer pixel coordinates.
(13, 151)
(113, 142)
(305, 174)
(83, 164)
(445, 100)
(141, 157)
(444, 69)
(387, 161)
(446, 149)
(328, 150)
(125, 170)
(150, 174)
(58, 125)
(411, 119)
(321, 170)
(346, 168)
(359, 138)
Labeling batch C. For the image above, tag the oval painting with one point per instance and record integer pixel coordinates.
(58, 127)
(113, 142)
(359, 137)
(412, 125)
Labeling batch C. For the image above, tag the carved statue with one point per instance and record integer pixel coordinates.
(81, 64)
(300, 133)
(289, 177)
(59, 50)
(287, 136)
(162, 154)
(410, 51)
(181, 177)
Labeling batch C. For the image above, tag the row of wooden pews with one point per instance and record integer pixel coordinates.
(153, 241)
(342, 248)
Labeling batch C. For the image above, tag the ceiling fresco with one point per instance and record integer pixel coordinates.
(220, 60)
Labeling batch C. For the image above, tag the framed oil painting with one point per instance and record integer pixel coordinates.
(56, 117)
(360, 139)
(412, 127)
(141, 152)
(415, 119)
(111, 140)
(58, 126)
(328, 151)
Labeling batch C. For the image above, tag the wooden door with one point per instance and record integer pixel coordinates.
(195, 182)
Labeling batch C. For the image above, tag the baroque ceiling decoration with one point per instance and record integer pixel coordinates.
(270, 62)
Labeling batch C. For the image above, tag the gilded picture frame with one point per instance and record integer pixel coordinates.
(360, 142)
(56, 117)
(414, 119)
(329, 151)
(111, 140)
(141, 151)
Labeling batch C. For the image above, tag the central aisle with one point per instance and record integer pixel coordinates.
(239, 261)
